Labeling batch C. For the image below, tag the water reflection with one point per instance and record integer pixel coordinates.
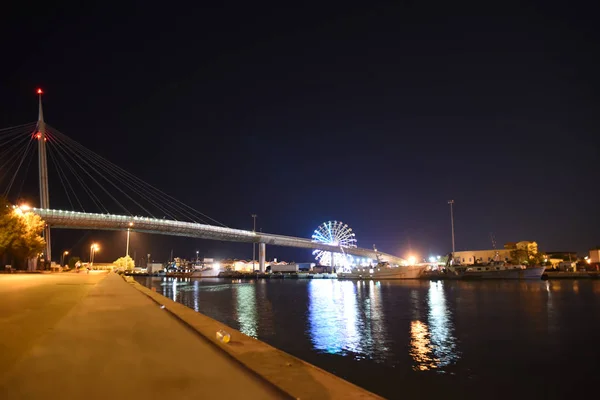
(332, 316)
(433, 346)
(441, 326)
(196, 296)
(420, 346)
(377, 328)
(346, 317)
(172, 287)
(245, 295)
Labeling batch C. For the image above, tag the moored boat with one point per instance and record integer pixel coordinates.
(502, 270)
(383, 271)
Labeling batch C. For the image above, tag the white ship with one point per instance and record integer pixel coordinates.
(502, 270)
(383, 271)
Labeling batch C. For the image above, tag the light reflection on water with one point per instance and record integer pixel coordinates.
(421, 350)
(428, 335)
(346, 318)
(433, 346)
(441, 326)
(332, 316)
(245, 295)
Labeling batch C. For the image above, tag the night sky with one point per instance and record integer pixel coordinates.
(375, 114)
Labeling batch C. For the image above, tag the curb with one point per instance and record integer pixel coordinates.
(289, 374)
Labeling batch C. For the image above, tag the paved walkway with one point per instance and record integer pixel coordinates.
(84, 337)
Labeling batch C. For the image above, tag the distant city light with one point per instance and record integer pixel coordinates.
(24, 207)
(432, 259)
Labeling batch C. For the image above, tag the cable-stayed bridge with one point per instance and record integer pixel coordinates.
(92, 183)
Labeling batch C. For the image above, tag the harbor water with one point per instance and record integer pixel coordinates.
(418, 339)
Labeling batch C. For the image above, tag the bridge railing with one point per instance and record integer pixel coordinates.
(82, 220)
(60, 218)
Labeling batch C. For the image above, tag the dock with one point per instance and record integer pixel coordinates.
(243, 275)
(96, 336)
(571, 275)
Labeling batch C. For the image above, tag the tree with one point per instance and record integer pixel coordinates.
(519, 257)
(20, 232)
(527, 255)
(125, 262)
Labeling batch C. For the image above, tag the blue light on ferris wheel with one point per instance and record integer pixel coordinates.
(336, 234)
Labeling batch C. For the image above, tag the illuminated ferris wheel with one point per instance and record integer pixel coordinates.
(338, 234)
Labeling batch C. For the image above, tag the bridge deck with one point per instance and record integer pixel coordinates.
(79, 220)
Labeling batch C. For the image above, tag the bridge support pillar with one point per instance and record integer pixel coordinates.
(262, 249)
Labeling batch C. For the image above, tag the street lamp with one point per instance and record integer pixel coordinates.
(62, 257)
(451, 202)
(197, 252)
(93, 249)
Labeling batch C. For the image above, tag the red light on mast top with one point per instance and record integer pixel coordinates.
(39, 91)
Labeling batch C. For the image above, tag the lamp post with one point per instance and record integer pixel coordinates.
(128, 231)
(93, 249)
(62, 257)
(197, 252)
(254, 244)
(451, 202)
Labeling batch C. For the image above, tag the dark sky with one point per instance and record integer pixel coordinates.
(375, 114)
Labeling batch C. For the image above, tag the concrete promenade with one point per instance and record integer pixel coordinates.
(80, 336)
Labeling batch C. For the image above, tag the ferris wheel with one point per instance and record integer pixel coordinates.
(338, 234)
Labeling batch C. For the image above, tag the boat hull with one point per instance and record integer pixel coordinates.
(379, 273)
(527, 273)
(206, 273)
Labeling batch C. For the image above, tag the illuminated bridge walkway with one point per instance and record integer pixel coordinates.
(81, 220)
(90, 182)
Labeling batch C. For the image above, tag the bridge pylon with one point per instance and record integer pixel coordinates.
(43, 173)
(262, 251)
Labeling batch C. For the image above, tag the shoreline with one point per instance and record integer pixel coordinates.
(249, 276)
(286, 372)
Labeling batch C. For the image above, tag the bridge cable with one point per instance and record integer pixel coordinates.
(60, 177)
(94, 169)
(101, 186)
(8, 136)
(114, 174)
(10, 128)
(79, 179)
(127, 178)
(31, 157)
(10, 150)
(87, 189)
(170, 201)
(14, 150)
(19, 166)
(133, 180)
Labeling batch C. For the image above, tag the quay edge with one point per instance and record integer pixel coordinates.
(293, 376)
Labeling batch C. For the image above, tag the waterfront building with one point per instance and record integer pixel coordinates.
(595, 256)
(510, 251)
(561, 259)
(470, 257)
(524, 245)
